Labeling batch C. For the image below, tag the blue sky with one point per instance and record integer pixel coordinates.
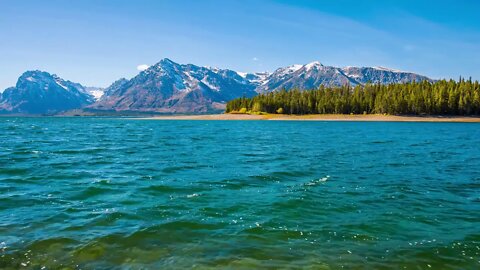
(95, 42)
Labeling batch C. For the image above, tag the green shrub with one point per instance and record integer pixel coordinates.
(257, 107)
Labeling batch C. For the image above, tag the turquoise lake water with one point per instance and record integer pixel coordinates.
(94, 193)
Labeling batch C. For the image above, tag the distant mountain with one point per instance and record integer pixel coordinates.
(303, 77)
(175, 88)
(363, 75)
(169, 87)
(314, 74)
(38, 92)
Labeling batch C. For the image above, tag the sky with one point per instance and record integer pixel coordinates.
(95, 42)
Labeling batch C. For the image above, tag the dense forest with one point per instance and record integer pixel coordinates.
(416, 98)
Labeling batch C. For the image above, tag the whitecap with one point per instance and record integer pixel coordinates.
(318, 181)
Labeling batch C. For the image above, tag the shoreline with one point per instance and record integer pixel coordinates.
(320, 117)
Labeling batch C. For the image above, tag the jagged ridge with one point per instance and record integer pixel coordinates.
(169, 87)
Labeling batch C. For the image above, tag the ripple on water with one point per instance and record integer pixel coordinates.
(97, 193)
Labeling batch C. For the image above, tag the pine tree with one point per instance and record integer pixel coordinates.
(441, 97)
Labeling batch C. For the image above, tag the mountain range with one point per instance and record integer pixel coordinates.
(169, 87)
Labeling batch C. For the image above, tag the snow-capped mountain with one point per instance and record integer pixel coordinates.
(314, 74)
(307, 76)
(171, 87)
(38, 92)
(363, 75)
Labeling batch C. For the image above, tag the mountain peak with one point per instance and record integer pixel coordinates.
(35, 74)
(164, 65)
(38, 92)
(314, 64)
(37, 77)
(167, 60)
(287, 70)
(294, 67)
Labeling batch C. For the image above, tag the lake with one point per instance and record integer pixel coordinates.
(99, 193)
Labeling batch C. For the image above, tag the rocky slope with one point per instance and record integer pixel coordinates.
(175, 88)
(38, 92)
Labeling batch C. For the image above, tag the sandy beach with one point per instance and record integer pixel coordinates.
(321, 117)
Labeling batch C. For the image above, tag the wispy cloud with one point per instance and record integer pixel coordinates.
(142, 67)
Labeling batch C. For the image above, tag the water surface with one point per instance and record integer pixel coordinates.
(94, 193)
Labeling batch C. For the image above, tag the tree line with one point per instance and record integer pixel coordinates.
(416, 98)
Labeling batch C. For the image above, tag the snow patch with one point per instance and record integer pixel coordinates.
(294, 68)
(190, 78)
(260, 78)
(242, 74)
(353, 75)
(214, 69)
(288, 70)
(61, 85)
(313, 65)
(97, 94)
(207, 83)
(389, 69)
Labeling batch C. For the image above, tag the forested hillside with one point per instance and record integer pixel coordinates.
(437, 98)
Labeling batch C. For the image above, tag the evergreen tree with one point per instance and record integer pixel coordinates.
(441, 97)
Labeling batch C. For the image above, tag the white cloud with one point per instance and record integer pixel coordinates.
(142, 67)
(255, 59)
